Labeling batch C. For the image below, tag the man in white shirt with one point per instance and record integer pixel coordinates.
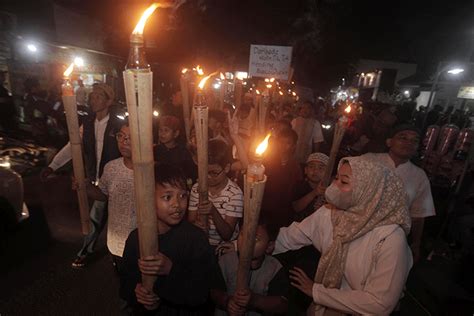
(310, 134)
(403, 144)
(100, 147)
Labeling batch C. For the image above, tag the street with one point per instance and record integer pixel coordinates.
(36, 275)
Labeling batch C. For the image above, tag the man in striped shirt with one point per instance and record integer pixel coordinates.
(225, 206)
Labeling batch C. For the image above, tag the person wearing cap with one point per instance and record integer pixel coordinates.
(402, 146)
(308, 195)
(99, 146)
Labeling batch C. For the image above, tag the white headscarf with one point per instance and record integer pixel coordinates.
(378, 199)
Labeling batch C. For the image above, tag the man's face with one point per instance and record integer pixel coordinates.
(171, 203)
(123, 142)
(314, 171)
(404, 144)
(216, 174)
(285, 145)
(306, 110)
(167, 135)
(98, 101)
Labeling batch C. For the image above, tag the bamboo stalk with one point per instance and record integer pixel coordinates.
(339, 131)
(186, 107)
(138, 91)
(70, 106)
(253, 194)
(201, 114)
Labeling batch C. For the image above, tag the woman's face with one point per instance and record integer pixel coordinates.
(344, 178)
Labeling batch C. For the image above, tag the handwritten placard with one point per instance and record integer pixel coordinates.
(270, 61)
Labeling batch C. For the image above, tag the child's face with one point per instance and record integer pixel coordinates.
(216, 174)
(167, 135)
(314, 171)
(263, 246)
(171, 204)
(123, 142)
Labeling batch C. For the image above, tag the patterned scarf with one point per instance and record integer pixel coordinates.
(379, 199)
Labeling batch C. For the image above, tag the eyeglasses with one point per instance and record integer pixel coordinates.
(215, 174)
(122, 138)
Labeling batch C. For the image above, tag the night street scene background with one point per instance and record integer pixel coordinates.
(388, 84)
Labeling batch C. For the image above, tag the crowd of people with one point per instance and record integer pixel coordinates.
(342, 249)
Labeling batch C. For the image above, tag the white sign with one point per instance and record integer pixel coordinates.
(270, 61)
(466, 92)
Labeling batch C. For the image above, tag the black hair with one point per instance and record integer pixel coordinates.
(170, 175)
(219, 153)
(271, 230)
(288, 133)
(219, 116)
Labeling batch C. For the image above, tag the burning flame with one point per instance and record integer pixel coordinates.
(202, 83)
(222, 76)
(69, 70)
(184, 70)
(263, 145)
(348, 109)
(199, 70)
(141, 24)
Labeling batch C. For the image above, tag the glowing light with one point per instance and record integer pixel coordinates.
(326, 126)
(406, 93)
(184, 70)
(222, 76)
(216, 85)
(262, 147)
(258, 92)
(156, 113)
(141, 24)
(199, 70)
(272, 79)
(348, 109)
(241, 75)
(455, 71)
(267, 80)
(202, 83)
(269, 86)
(281, 93)
(79, 62)
(126, 114)
(5, 162)
(32, 48)
(69, 70)
(121, 117)
(294, 93)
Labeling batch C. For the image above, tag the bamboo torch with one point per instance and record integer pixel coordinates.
(222, 91)
(339, 131)
(254, 187)
(138, 92)
(185, 96)
(70, 106)
(201, 114)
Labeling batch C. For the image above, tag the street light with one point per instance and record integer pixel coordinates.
(452, 71)
(32, 48)
(79, 62)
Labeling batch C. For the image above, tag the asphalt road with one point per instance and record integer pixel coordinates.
(36, 277)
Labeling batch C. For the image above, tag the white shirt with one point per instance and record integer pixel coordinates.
(376, 269)
(64, 155)
(117, 183)
(309, 131)
(416, 183)
(229, 202)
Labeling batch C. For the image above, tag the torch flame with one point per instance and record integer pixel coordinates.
(222, 76)
(141, 24)
(263, 145)
(202, 83)
(348, 109)
(199, 70)
(185, 70)
(69, 70)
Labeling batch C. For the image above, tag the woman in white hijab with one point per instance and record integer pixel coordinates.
(362, 237)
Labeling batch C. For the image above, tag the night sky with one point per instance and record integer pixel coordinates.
(328, 36)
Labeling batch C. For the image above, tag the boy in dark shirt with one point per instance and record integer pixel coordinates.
(183, 264)
(308, 194)
(268, 284)
(170, 150)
